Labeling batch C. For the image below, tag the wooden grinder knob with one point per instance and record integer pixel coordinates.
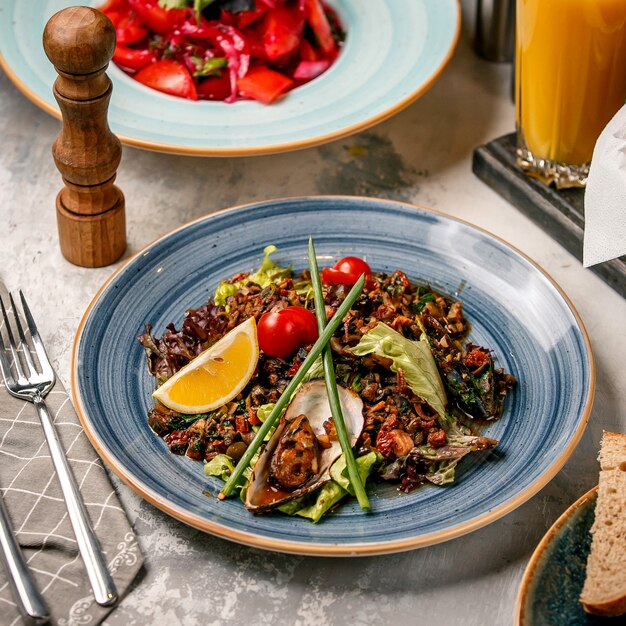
(80, 42)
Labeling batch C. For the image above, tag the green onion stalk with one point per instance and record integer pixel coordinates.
(331, 384)
(280, 406)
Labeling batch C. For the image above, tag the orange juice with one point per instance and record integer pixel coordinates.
(570, 75)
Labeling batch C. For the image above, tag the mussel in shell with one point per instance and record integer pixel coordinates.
(298, 457)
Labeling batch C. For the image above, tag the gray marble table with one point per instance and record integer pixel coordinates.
(422, 155)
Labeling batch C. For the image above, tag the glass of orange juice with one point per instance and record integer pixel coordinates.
(570, 79)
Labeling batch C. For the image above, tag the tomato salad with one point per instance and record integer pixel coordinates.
(224, 50)
(402, 353)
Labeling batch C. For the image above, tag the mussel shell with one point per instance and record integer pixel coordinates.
(310, 400)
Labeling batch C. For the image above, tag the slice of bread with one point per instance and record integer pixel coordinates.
(604, 592)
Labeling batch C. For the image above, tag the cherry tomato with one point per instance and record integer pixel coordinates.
(170, 77)
(347, 271)
(307, 321)
(263, 84)
(283, 331)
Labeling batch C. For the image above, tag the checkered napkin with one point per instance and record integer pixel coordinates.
(32, 494)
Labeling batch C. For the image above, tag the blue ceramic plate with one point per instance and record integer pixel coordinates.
(555, 574)
(514, 308)
(393, 53)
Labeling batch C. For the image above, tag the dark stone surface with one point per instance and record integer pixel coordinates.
(560, 213)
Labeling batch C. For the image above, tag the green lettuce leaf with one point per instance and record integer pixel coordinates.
(365, 463)
(413, 357)
(263, 411)
(266, 275)
(443, 473)
(220, 466)
(315, 371)
(327, 497)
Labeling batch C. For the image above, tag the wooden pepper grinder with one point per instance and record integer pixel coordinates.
(80, 42)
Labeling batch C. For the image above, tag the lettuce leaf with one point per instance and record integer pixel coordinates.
(264, 410)
(266, 275)
(220, 466)
(315, 371)
(413, 357)
(442, 461)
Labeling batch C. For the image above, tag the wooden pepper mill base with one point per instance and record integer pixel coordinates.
(92, 240)
(90, 210)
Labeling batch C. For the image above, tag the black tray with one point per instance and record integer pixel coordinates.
(560, 213)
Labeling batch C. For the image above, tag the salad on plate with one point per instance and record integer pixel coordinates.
(297, 401)
(225, 50)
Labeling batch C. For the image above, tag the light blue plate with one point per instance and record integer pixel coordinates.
(554, 578)
(393, 53)
(514, 308)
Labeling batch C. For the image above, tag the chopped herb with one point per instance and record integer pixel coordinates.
(418, 307)
(211, 67)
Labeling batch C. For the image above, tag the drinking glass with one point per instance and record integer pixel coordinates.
(570, 79)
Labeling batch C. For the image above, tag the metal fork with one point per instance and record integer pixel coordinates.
(29, 600)
(33, 387)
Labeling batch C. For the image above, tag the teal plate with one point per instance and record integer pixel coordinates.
(513, 307)
(555, 575)
(394, 51)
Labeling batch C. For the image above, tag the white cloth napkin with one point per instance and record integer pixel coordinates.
(605, 196)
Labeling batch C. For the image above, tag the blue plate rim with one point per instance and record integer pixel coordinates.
(325, 549)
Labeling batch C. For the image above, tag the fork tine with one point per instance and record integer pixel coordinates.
(23, 343)
(5, 366)
(44, 361)
(16, 361)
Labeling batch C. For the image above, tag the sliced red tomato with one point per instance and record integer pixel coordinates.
(347, 271)
(245, 18)
(263, 84)
(281, 31)
(170, 77)
(128, 29)
(281, 332)
(307, 52)
(214, 87)
(155, 17)
(114, 5)
(316, 17)
(131, 59)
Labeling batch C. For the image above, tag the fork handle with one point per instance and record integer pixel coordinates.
(29, 600)
(101, 582)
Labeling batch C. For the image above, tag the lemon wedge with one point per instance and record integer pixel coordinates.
(216, 375)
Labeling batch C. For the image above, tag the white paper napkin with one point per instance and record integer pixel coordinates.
(605, 196)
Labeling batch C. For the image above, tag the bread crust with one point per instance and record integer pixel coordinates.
(606, 529)
(612, 608)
